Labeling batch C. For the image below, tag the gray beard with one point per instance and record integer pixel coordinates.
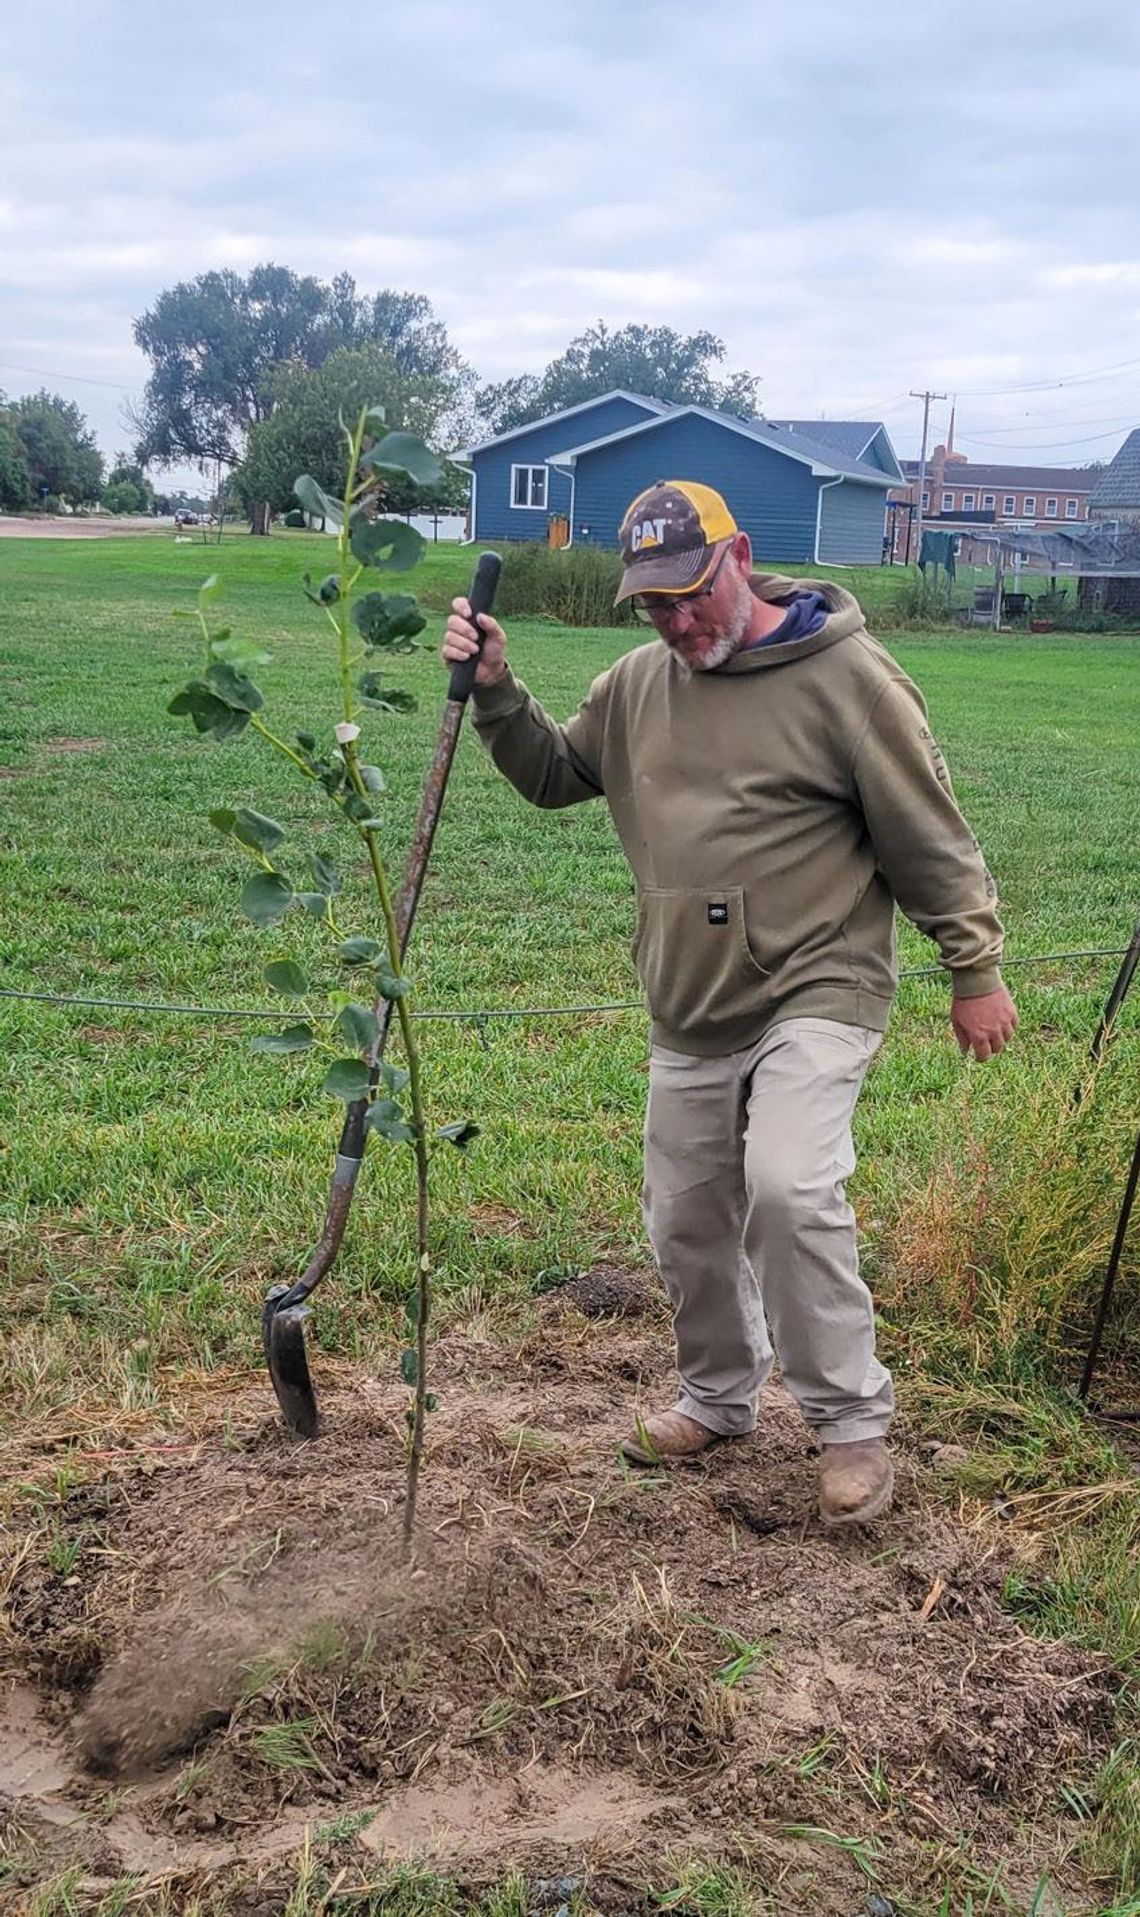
(734, 635)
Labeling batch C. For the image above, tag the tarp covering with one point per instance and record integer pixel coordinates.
(1091, 550)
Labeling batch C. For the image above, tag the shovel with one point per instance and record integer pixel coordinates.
(286, 1308)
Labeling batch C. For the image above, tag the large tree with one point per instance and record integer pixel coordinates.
(62, 457)
(643, 359)
(302, 433)
(219, 344)
(15, 484)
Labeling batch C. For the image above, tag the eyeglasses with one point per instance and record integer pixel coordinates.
(648, 606)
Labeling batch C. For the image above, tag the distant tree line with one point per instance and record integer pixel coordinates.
(48, 454)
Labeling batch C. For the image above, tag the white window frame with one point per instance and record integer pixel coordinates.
(1009, 506)
(1029, 506)
(989, 501)
(1050, 509)
(1072, 508)
(926, 500)
(530, 504)
(968, 502)
(947, 502)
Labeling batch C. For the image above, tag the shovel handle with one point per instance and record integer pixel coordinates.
(482, 598)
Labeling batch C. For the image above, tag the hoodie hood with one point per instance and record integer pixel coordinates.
(844, 617)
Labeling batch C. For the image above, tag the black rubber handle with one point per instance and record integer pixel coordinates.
(482, 598)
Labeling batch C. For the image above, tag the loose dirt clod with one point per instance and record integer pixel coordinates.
(602, 1662)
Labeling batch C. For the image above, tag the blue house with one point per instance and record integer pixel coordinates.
(804, 490)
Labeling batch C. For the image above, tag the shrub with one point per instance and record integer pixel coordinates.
(573, 584)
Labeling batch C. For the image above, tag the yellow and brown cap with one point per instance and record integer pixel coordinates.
(669, 538)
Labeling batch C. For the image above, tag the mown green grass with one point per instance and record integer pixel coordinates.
(154, 1176)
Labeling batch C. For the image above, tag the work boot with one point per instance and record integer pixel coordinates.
(855, 1481)
(666, 1437)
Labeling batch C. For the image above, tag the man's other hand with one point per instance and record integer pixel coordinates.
(984, 1026)
(461, 640)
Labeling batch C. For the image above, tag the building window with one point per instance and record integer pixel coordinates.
(1009, 505)
(968, 502)
(947, 502)
(1029, 509)
(1072, 507)
(528, 487)
(988, 502)
(1050, 509)
(926, 501)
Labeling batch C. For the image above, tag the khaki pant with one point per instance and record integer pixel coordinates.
(746, 1158)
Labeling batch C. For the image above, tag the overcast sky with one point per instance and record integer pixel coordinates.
(858, 198)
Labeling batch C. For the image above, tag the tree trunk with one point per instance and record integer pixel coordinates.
(259, 517)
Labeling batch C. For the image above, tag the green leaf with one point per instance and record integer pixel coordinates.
(394, 1077)
(389, 986)
(412, 1306)
(383, 619)
(316, 501)
(358, 951)
(378, 413)
(371, 778)
(266, 897)
(404, 453)
(254, 829)
(295, 1038)
(409, 1366)
(217, 717)
(382, 698)
(314, 903)
(307, 741)
(233, 687)
(385, 1116)
(325, 876)
(223, 820)
(328, 592)
(347, 1079)
(431, 1402)
(358, 810)
(359, 1026)
(387, 544)
(460, 1132)
(210, 588)
(238, 652)
(286, 976)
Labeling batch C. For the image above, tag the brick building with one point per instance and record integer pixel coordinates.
(1009, 495)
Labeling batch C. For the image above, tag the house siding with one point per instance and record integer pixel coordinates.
(851, 526)
(772, 497)
(495, 517)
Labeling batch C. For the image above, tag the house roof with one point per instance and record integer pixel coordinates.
(825, 461)
(1039, 479)
(568, 412)
(849, 436)
(1119, 484)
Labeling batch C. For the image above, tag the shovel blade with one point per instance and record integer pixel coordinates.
(283, 1336)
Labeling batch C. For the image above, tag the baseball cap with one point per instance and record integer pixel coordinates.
(669, 537)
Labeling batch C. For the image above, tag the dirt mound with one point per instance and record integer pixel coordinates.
(585, 1662)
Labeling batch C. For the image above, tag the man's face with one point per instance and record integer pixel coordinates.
(707, 628)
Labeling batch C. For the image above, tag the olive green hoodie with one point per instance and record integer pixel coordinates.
(773, 812)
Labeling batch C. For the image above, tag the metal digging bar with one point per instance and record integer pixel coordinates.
(285, 1308)
(1115, 1000)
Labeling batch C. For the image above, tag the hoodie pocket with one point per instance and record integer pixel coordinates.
(693, 957)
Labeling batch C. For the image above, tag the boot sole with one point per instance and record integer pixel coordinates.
(866, 1513)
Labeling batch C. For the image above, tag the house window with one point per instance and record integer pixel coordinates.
(968, 502)
(1071, 508)
(947, 502)
(1009, 505)
(1030, 507)
(987, 502)
(1050, 509)
(926, 501)
(528, 487)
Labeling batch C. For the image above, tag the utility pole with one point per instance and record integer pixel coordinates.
(926, 399)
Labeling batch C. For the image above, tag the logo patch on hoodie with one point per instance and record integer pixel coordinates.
(718, 914)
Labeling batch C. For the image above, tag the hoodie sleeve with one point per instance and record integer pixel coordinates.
(551, 765)
(924, 847)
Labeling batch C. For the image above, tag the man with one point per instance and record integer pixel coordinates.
(776, 790)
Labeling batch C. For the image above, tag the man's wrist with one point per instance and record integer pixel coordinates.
(976, 981)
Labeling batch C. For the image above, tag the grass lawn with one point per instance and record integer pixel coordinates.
(156, 1176)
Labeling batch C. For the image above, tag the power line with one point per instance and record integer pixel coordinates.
(1042, 385)
(1043, 446)
(76, 379)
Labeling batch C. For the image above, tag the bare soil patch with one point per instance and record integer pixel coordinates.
(588, 1668)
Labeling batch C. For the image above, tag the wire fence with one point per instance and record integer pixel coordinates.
(478, 1015)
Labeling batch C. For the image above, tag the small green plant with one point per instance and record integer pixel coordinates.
(347, 1022)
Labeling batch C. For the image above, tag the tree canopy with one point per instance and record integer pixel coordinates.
(302, 435)
(654, 360)
(60, 456)
(218, 346)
